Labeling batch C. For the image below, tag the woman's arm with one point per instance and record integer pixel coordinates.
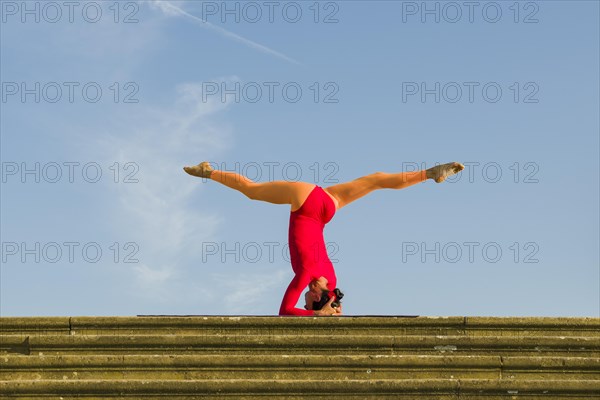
(292, 294)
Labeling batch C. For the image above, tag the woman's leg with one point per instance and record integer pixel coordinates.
(347, 192)
(276, 192)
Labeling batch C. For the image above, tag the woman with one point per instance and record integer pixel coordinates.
(311, 208)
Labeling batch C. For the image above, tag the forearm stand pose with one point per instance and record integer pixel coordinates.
(311, 208)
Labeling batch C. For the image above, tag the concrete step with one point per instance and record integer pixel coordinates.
(198, 367)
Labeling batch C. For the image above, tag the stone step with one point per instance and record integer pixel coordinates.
(294, 344)
(194, 325)
(250, 388)
(341, 367)
(186, 357)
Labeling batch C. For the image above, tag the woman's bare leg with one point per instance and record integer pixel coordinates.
(347, 192)
(276, 192)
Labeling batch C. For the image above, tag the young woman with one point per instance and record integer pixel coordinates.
(311, 208)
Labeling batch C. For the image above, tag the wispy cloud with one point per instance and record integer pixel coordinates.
(171, 10)
(161, 213)
(159, 210)
(245, 293)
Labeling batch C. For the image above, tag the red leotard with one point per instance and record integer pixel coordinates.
(308, 252)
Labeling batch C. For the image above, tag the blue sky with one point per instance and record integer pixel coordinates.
(106, 222)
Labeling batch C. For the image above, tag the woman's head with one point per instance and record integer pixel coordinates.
(318, 285)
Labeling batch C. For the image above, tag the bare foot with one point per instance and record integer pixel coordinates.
(439, 173)
(202, 170)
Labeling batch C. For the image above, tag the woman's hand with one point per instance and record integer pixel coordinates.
(309, 298)
(327, 310)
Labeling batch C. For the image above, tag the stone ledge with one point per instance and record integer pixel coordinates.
(73, 322)
(311, 341)
(342, 367)
(244, 386)
(11, 361)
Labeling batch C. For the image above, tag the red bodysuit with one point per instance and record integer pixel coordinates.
(308, 252)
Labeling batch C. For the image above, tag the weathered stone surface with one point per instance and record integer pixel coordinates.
(292, 357)
(243, 386)
(38, 325)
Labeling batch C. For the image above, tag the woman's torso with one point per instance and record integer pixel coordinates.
(307, 244)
